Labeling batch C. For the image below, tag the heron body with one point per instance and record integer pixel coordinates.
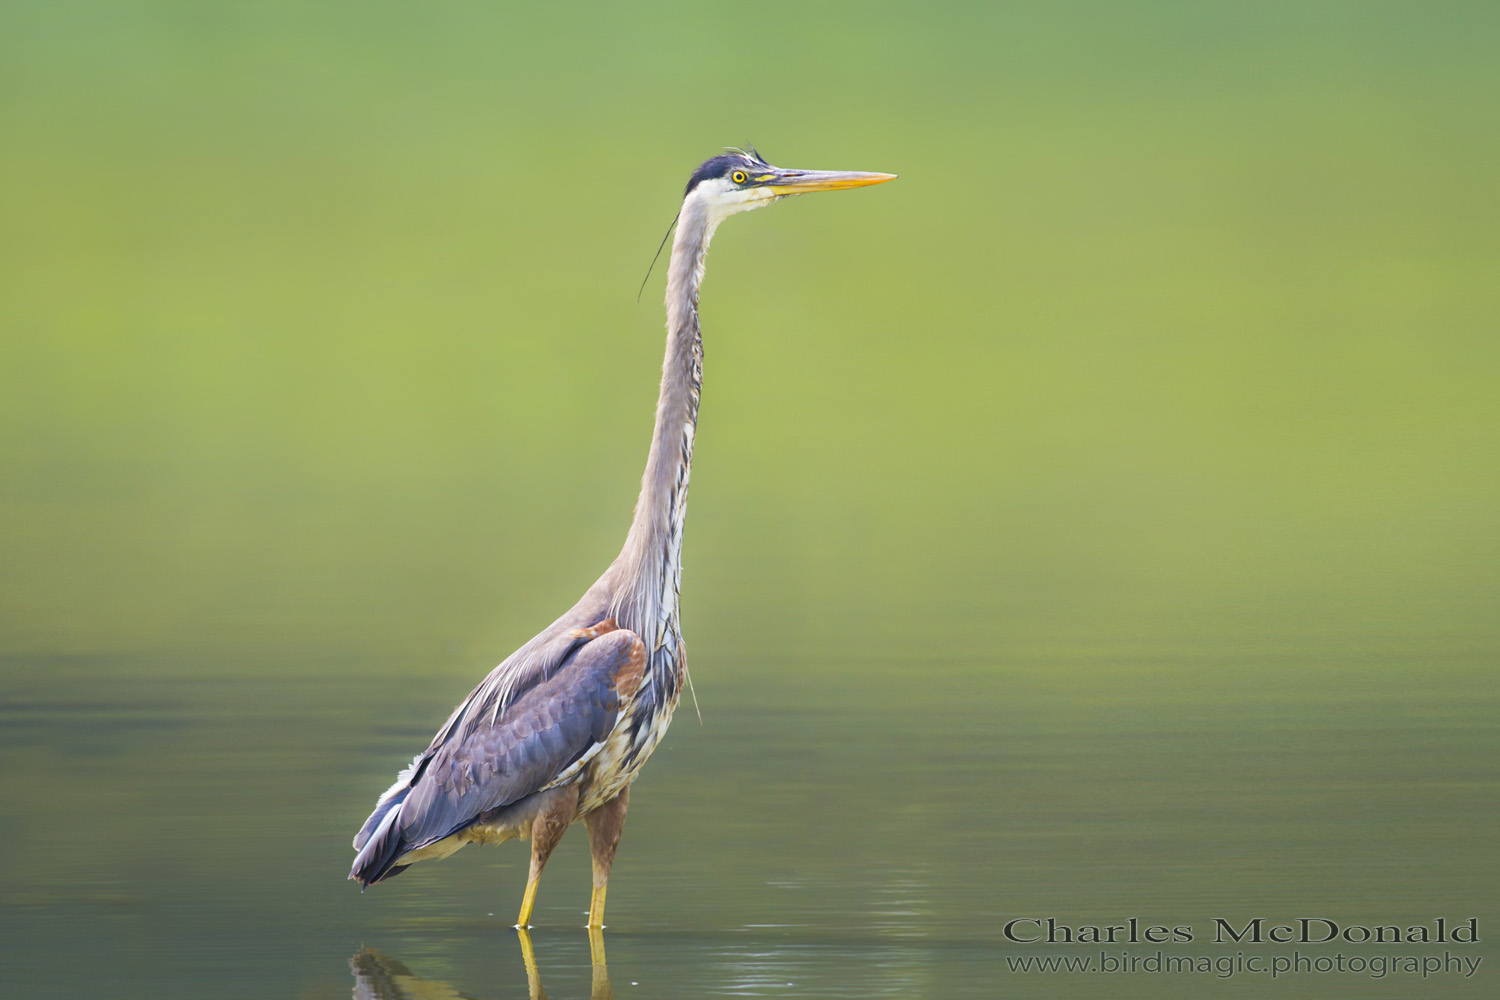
(557, 732)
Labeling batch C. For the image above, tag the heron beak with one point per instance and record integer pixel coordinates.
(803, 181)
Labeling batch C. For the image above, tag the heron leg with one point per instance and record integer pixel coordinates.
(546, 830)
(605, 825)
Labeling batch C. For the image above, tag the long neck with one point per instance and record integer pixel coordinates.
(649, 569)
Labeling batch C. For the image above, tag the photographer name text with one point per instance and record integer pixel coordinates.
(1252, 930)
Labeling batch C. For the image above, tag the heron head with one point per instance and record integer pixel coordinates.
(739, 180)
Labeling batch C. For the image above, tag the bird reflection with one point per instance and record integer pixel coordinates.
(379, 977)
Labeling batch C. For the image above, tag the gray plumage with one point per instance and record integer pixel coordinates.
(479, 765)
(559, 729)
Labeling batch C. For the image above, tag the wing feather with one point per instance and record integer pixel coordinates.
(483, 761)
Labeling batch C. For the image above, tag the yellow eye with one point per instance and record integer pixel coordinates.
(738, 177)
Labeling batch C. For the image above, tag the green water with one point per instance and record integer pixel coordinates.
(1098, 522)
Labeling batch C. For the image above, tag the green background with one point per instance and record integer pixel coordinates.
(1099, 521)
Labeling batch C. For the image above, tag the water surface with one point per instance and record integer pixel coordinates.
(1098, 522)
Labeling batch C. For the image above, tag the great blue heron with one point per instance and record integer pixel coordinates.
(558, 731)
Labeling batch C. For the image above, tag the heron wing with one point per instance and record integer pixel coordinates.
(533, 663)
(524, 746)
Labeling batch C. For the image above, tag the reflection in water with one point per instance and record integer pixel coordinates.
(380, 977)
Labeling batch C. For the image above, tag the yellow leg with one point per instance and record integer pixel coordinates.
(551, 823)
(527, 902)
(596, 907)
(605, 824)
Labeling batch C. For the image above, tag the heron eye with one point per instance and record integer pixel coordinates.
(738, 177)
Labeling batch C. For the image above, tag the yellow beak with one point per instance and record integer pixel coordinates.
(803, 181)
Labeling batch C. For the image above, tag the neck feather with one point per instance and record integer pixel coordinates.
(648, 572)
